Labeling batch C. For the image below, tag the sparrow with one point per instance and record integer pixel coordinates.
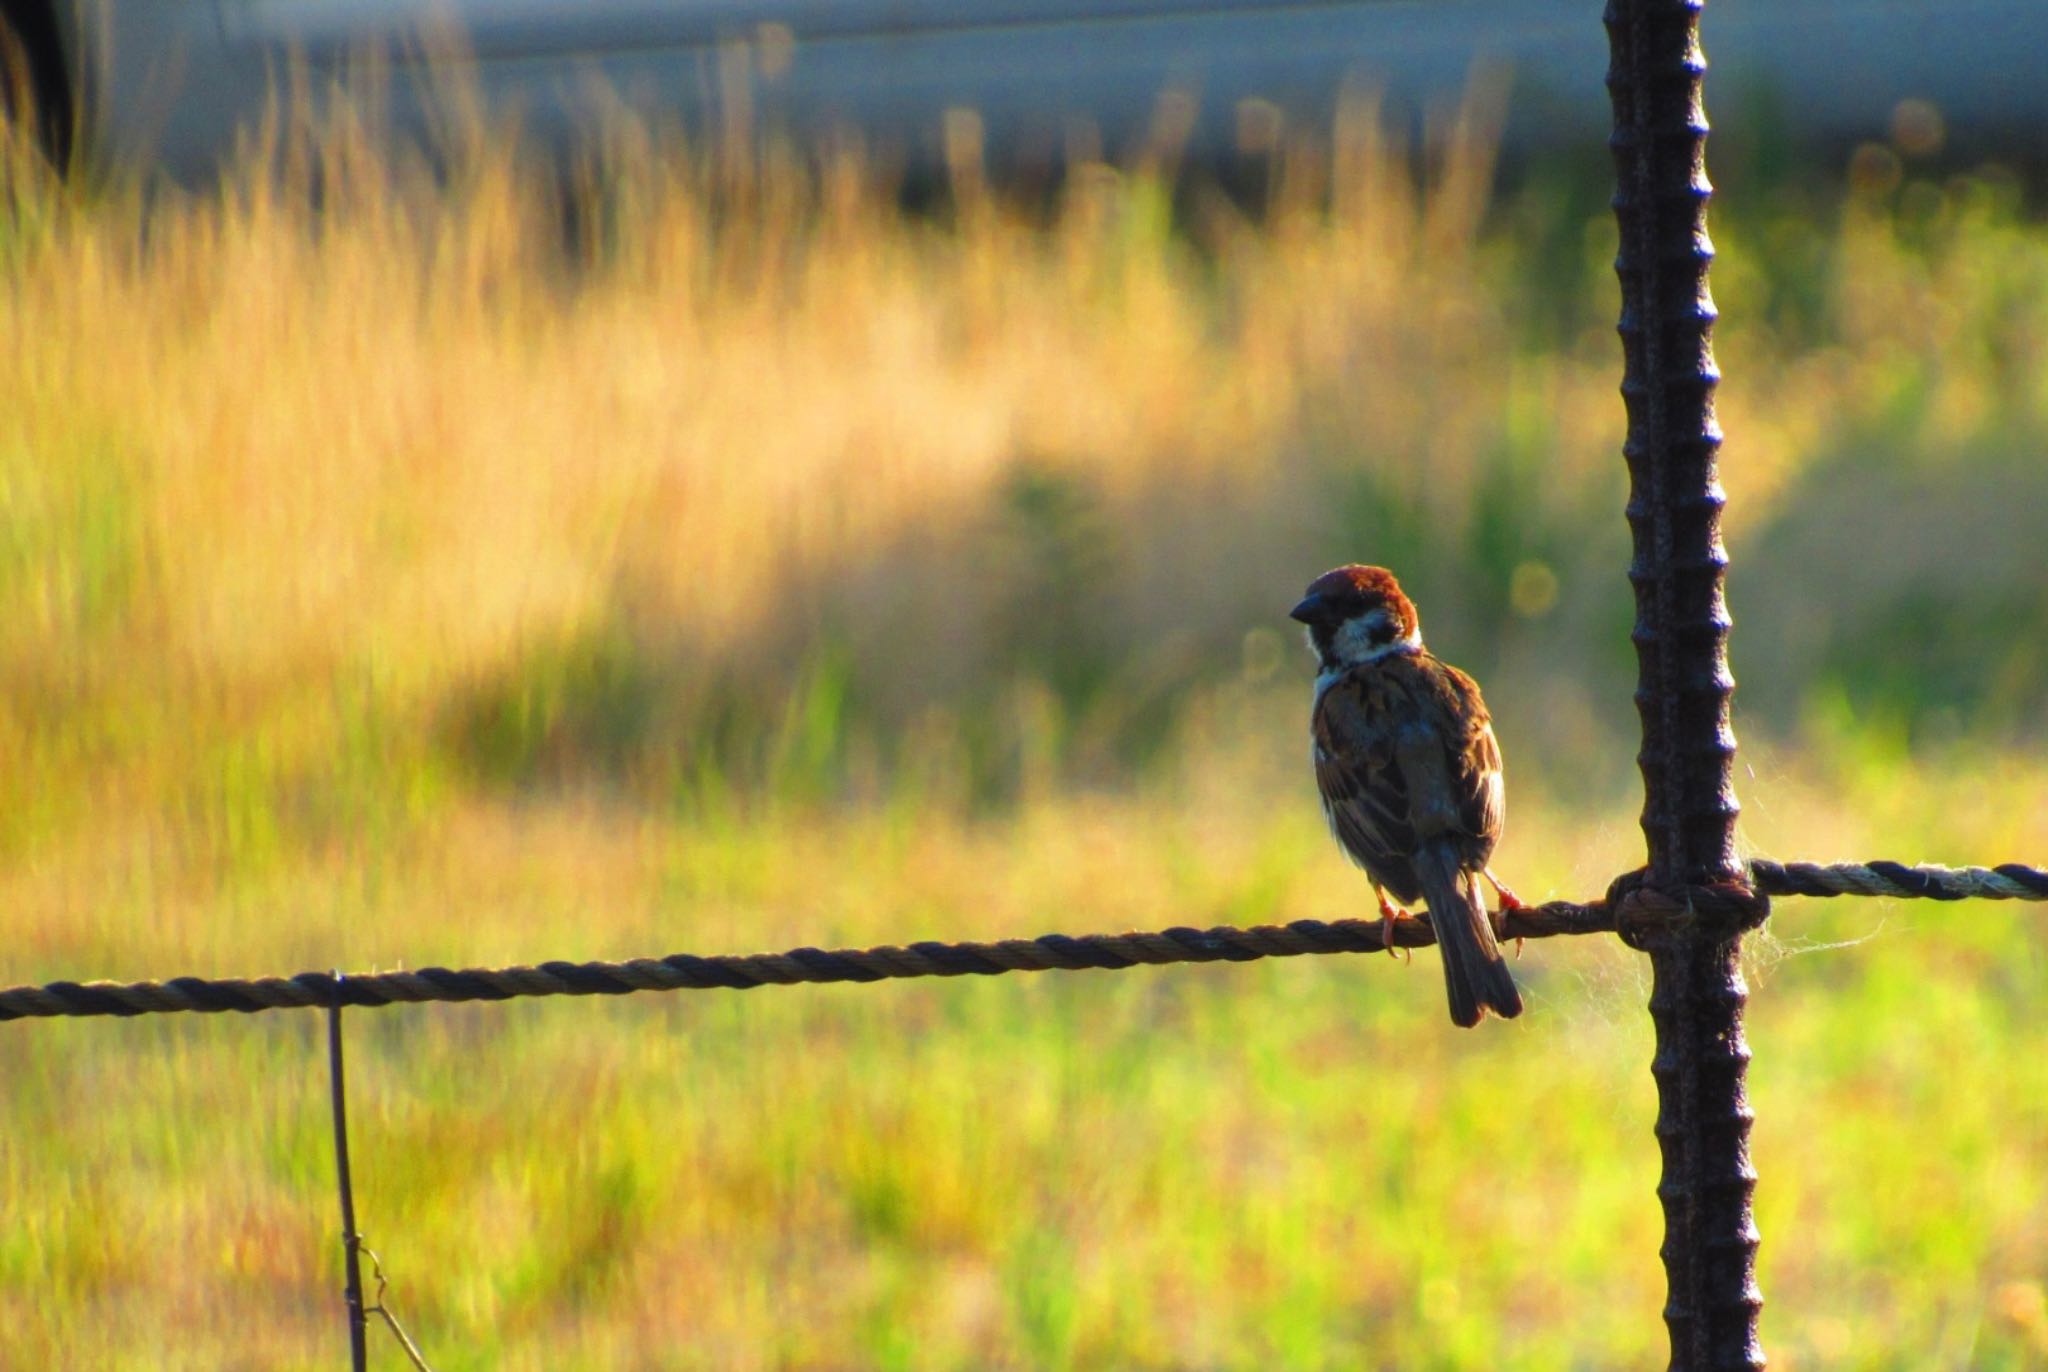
(1410, 775)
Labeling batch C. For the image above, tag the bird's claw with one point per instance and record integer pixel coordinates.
(1510, 903)
(1390, 912)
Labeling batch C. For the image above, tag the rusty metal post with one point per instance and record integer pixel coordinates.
(1689, 908)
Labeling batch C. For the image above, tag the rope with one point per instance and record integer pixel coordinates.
(1051, 952)
(2008, 881)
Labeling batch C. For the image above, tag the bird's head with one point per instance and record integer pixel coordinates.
(1357, 614)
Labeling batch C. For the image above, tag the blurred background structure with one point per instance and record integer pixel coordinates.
(1049, 80)
(395, 568)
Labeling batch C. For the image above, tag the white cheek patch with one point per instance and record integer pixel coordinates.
(1354, 641)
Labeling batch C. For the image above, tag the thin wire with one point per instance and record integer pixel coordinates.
(352, 1290)
(382, 1308)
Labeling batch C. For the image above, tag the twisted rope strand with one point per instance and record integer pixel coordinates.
(1051, 952)
(2007, 881)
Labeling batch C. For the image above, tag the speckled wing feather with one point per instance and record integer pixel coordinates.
(1404, 750)
(1365, 797)
(1475, 801)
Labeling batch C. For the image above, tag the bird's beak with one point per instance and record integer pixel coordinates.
(1309, 611)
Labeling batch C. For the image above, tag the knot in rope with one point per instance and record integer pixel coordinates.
(1647, 915)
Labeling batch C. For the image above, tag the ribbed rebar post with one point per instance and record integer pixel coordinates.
(1689, 907)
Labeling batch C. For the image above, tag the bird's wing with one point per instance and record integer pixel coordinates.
(1410, 776)
(1365, 796)
(1481, 784)
(1448, 755)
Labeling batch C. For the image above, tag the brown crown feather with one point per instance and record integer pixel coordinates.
(1355, 590)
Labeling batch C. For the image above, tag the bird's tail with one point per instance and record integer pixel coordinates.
(1475, 974)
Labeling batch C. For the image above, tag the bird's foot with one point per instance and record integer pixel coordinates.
(1509, 901)
(1390, 912)
(1509, 904)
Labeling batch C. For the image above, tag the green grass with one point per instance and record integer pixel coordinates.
(404, 585)
(1289, 1164)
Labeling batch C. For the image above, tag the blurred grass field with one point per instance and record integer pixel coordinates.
(753, 564)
